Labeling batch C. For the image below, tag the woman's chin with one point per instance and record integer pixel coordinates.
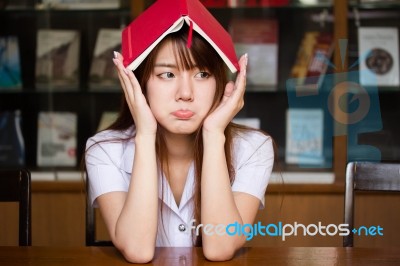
(187, 129)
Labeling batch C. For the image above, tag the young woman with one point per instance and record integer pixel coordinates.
(173, 157)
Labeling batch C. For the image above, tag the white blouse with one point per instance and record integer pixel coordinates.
(109, 166)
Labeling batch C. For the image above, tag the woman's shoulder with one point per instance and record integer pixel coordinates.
(110, 146)
(251, 144)
(251, 137)
(110, 137)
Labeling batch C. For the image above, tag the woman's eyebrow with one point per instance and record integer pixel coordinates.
(165, 65)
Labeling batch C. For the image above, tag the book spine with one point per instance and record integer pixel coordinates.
(183, 7)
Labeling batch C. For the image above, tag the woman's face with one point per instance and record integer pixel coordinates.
(179, 99)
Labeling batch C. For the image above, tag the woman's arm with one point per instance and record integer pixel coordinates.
(131, 218)
(219, 205)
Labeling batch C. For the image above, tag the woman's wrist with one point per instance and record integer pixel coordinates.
(145, 139)
(213, 137)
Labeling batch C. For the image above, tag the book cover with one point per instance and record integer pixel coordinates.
(274, 2)
(256, 3)
(57, 59)
(79, 4)
(258, 38)
(16, 4)
(107, 118)
(12, 147)
(167, 16)
(379, 56)
(57, 139)
(103, 75)
(10, 67)
(304, 136)
(312, 60)
(379, 1)
(243, 3)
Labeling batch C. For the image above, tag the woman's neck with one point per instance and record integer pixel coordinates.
(180, 147)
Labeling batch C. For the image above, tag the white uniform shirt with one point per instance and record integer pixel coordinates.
(109, 167)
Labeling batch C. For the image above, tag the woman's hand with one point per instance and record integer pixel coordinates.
(231, 102)
(144, 119)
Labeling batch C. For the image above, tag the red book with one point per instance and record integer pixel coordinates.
(166, 16)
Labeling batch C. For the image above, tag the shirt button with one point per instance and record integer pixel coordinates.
(182, 227)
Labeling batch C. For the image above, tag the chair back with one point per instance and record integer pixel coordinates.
(91, 239)
(367, 176)
(15, 186)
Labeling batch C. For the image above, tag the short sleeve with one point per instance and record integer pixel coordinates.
(103, 168)
(254, 156)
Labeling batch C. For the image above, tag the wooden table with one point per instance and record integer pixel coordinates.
(275, 256)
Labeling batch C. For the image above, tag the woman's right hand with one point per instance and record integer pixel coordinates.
(144, 119)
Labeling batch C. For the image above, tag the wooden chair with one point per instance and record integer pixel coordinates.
(15, 186)
(91, 223)
(367, 176)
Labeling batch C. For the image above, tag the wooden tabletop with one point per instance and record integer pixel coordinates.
(325, 256)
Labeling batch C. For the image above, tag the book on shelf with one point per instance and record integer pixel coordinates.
(57, 139)
(167, 16)
(79, 4)
(258, 38)
(106, 119)
(57, 59)
(16, 4)
(10, 66)
(256, 3)
(214, 3)
(272, 3)
(103, 75)
(312, 60)
(304, 136)
(379, 1)
(379, 56)
(12, 148)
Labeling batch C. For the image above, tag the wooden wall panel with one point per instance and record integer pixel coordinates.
(8, 224)
(59, 217)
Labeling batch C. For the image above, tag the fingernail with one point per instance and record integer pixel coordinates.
(115, 54)
(246, 55)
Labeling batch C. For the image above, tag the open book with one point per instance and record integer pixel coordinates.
(167, 16)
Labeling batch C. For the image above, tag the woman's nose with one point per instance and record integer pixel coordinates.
(185, 90)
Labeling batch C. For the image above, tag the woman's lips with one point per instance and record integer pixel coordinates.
(183, 114)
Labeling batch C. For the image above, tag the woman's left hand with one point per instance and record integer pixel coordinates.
(232, 102)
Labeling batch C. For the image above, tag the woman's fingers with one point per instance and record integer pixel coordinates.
(122, 72)
(136, 88)
(229, 88)
(125, 79)
(133, 86)
(240, 84)
(234, 92)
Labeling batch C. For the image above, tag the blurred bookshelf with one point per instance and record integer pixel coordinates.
(295, 18)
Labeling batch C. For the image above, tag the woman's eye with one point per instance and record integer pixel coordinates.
(167, 75)
(203, 75)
